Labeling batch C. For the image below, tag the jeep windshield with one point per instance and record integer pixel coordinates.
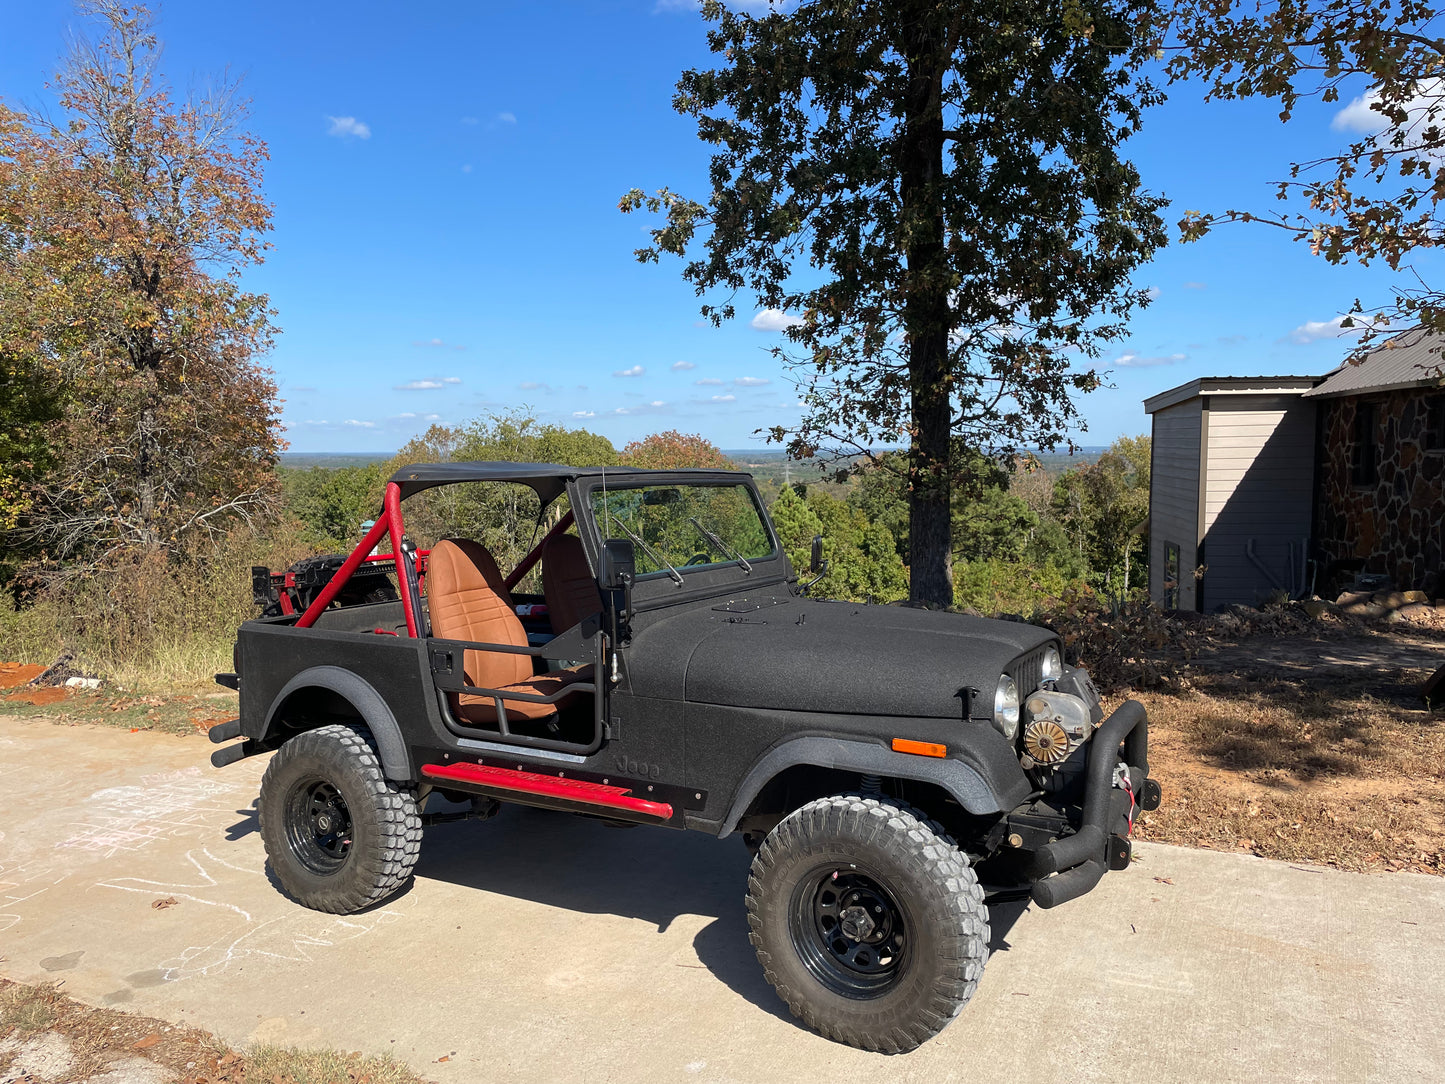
(683, 527)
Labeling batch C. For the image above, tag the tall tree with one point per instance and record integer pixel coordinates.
(671, 449)
(124, 225)
(934, 192)
(1377, 198)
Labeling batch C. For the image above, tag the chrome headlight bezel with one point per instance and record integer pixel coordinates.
(1053, 665)
(1006, 707)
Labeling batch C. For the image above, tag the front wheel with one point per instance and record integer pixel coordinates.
(868, 922)
(339, 835)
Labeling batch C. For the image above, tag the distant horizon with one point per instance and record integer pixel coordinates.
(730, 452)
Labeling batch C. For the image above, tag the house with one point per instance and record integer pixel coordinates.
(1262, 485)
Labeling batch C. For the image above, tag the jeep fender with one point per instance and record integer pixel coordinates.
(959, 779)
(368, 704)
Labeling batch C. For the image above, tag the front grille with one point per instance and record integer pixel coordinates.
(1028, 671)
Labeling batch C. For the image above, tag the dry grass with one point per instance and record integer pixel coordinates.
(99, 1037)
(24, 1009)
(1330, 773)
(152, 624)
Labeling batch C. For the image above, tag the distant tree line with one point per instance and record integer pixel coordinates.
(1021, 534)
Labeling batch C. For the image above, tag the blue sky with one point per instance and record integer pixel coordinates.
(445, 179)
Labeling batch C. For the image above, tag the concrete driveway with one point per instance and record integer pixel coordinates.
(544, 947)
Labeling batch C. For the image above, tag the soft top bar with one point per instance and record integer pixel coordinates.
(548, 480)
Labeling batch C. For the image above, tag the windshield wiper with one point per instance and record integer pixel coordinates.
(722, 546)
(674, 573)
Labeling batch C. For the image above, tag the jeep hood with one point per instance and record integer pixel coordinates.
(796, 654)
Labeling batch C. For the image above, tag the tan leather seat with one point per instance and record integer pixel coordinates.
(567, 583)
(468, 601)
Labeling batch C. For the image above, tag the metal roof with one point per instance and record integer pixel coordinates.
(547, 479)
(1411, 360)
(1230, 385)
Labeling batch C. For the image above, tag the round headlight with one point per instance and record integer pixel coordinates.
(1053, 665)
(1006, 707)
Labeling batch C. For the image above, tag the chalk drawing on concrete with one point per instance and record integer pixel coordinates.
(297, 936)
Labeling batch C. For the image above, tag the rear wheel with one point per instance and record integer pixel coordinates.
(868, 921)
(339, 835)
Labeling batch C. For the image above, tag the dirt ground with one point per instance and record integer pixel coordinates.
(1313, 748)
(50, 1038)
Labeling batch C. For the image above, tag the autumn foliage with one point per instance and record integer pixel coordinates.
(124, 225)
(673, 450)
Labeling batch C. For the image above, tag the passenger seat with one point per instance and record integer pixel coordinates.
(469, 601)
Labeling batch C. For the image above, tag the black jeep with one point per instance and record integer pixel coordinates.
(883, 763)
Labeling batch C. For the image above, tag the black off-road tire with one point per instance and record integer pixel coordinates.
(332, 775)
(907, 872)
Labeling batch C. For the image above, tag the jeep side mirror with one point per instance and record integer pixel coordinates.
(616, 567)
(618, 564)
(817, 565)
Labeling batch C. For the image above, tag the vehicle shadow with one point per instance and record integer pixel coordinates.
(250, 822)
(653, 875)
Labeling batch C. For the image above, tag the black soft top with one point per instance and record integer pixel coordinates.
(547, 479)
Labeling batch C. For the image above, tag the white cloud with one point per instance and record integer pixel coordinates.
(682, 366)
(1153, 293)
(348, 128)
(312, 421)
(359, 425)
(1194, 286)
(636, 370)
(584, 413)
(532, 385)
(1134, 361)
(708, 382)
(751, 381)
(1361, 116)
(407, 414)
(724, 399)
(430, 383)
(643, 408)
(507, 118)
(451, 380)
(774, 320)
(1312, 331)
(437, 344)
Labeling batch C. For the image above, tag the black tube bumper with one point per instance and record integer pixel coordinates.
(1068, 867)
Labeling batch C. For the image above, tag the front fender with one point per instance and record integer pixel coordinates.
(962, 781)
(368, 703)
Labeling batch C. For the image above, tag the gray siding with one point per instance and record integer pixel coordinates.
(1260, 472)
(1174, 497)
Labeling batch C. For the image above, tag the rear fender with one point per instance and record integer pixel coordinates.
(366, 701)
(962, 782)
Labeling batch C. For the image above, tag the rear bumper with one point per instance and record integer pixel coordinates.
(1070, 866)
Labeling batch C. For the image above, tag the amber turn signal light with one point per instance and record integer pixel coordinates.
(919, 748)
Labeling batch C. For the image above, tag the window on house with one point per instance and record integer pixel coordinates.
(1435, 423)
(1364, 448)
(1171, 575)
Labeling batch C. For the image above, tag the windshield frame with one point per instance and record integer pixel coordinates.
(698, 580)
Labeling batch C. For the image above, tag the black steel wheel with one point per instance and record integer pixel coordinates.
(339, 835)
(848, 930)
(318, 826)
(868, 922)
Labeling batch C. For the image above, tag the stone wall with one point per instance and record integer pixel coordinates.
(1396, 524)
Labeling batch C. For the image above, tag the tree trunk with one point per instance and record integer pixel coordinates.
(926, 313)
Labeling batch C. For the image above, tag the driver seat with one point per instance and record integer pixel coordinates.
(567, 583)
(468, 600)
